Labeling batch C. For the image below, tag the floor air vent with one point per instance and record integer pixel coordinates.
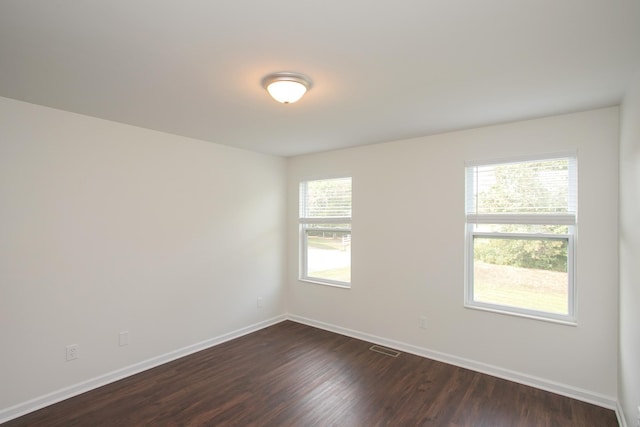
(384, 350)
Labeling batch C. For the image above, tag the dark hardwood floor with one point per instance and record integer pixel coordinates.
(295, 375)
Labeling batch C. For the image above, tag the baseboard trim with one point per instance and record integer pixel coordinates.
(540, 383)
(622, 421)
(99, 381)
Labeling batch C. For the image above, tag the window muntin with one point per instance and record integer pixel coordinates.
(325, 231)
(521, 221)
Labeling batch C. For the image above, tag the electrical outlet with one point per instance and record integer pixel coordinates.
(123, 338)
(72, 352)
(423, 322)
(260, 302)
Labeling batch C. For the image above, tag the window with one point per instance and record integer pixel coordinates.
(325, 231)
(521, 223)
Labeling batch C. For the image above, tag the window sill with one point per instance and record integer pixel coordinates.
(319, 282)
(567, 322)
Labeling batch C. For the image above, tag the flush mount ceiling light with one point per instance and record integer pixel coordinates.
(286, 87)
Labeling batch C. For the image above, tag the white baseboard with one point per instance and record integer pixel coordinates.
(540, 383)
(620, 414)
(99, 381)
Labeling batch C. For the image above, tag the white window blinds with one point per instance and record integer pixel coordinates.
(325, 201)
(533, 191)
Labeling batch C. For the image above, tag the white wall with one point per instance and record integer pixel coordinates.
(106, 227)
(408, 251)
(629, 358)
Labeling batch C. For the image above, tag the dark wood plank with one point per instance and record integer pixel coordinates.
(295, 375)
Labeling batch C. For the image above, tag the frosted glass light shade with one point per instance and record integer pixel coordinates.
(286, 88)
(286, 92)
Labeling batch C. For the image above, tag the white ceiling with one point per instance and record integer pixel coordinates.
(382, 70)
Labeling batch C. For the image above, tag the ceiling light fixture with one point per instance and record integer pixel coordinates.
(286, 87)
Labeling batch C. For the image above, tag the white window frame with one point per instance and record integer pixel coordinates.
(304, 228)
(570, 220)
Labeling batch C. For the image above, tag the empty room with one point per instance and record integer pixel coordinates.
(336, 213)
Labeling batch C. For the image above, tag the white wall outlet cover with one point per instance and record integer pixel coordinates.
(423, 322)
(72, 352)
(123, 338)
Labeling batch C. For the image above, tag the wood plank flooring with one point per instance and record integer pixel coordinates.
(295, 375)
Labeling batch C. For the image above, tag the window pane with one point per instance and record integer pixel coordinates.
(525, 273)
(325, 198)
(532, 187)
(329, 255)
